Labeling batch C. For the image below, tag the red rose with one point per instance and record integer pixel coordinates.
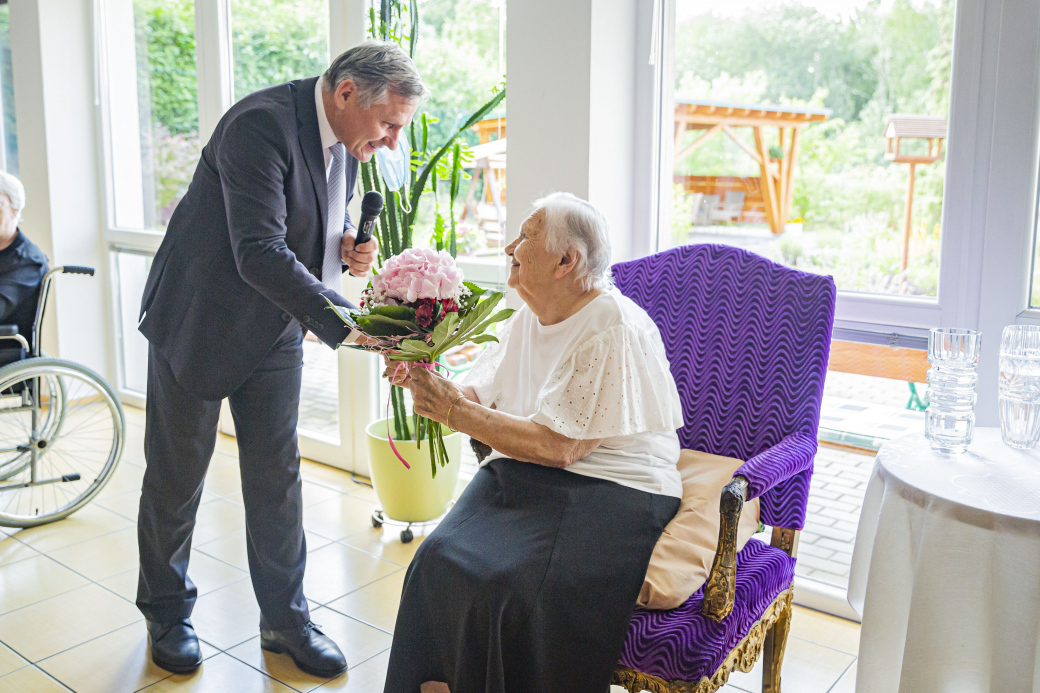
(424, 315)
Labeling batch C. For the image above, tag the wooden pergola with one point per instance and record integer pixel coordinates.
(776, 176)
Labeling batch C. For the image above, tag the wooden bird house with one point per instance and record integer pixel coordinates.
(905, 126)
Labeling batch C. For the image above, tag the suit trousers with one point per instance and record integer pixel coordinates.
(180, 435)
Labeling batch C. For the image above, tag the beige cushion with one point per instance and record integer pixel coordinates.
(683, 556)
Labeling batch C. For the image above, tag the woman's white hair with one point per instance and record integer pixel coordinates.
(12, 187)
(376, 67)
(571, 223)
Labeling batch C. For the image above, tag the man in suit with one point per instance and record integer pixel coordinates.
(254, 248)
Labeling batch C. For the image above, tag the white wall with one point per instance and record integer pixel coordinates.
(53, 59)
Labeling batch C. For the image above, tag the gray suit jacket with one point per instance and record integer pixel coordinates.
(243, 251)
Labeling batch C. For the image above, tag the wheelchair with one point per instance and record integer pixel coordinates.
(62, 427)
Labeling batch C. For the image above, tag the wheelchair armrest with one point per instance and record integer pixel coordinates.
(8, 330)
(720, 589)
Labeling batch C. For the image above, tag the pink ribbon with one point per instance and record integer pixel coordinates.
(427, 366)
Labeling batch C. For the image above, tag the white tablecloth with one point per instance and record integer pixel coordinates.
(946, 570)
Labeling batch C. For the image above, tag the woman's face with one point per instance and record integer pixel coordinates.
(8, 216)
(534, 267)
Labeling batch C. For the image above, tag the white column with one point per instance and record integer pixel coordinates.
(572, 108)
(214, 66)
(53, 57)
(348, 21)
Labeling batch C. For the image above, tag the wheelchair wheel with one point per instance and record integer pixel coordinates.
(14, 461)
(61, 437)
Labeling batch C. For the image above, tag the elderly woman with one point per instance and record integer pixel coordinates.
(22, 263)
(529, 583)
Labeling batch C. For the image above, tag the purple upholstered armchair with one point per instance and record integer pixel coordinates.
(748, 342)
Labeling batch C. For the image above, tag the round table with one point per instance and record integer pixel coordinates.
(946, 569)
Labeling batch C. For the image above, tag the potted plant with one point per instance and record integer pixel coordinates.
(422, 489)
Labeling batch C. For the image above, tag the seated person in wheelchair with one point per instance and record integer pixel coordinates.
(530, 581)
(22, 268)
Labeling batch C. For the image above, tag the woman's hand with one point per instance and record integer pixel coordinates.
(432, 394)
(397, 372)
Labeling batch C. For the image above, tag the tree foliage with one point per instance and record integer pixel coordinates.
(885, 58)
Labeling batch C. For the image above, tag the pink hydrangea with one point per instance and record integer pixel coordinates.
(419, 273)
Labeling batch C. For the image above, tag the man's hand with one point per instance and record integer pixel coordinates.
(361, 258)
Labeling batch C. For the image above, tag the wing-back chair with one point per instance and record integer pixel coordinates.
(748, 342)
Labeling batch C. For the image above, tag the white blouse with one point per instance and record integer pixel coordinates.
(601, 373)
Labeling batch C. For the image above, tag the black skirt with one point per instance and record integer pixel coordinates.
(527, 585)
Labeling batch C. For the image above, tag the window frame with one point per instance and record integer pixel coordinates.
(909, 316)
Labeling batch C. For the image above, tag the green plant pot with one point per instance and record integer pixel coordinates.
(412, 495)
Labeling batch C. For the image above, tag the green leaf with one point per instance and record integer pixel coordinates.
(395, 312)
(382, 326)
(443, 330)
(484, 338)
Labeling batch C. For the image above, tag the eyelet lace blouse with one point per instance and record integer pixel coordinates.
(601, 373)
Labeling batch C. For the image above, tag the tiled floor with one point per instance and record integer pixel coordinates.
(68, 622)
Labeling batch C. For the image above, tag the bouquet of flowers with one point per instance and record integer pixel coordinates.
(417, 307)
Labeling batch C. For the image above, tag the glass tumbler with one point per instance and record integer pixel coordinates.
(950, 419)
(1019, 399)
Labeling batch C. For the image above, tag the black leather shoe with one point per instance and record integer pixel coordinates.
(174, 646)
(311, 650)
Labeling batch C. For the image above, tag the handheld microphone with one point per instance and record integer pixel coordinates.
(371, 206)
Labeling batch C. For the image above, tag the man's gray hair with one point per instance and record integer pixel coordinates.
(376, 67)
(573, 223)
(12, 187)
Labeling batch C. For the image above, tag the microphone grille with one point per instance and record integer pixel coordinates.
(372, 203)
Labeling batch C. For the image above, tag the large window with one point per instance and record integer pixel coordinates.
(461, 56)
(8, 126)
(275, 41)
(814, 133)
(153, 111)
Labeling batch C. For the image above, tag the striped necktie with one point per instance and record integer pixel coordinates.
(332, 266)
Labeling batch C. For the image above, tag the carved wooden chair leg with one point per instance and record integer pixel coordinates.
(776, 640)
(773, 651)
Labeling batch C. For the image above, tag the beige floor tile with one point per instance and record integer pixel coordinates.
(12, 550)
(125, 504)
(807, 668)
(335, 478)
(117, 661)
(336, 570)
(358, 641)
(30, 680)
(221, 458)
(223, 480)
(386, 543)
(339, 517)
(61, 622)
(217, 518)
(315, 493)
(210, 574)
(88, 522)
(34, 580)
(374, 604)
(103, 557)
(127, 477)
(227, 444)
(221, 674)
(123, 585)
(134, 415)
(824, 629)
(232, 548)
(133, 444)
(228, 616)
(367, 677)
(847, 683)
(10, 660)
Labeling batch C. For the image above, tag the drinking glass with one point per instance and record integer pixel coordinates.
(1019, 399)
(950, 419)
